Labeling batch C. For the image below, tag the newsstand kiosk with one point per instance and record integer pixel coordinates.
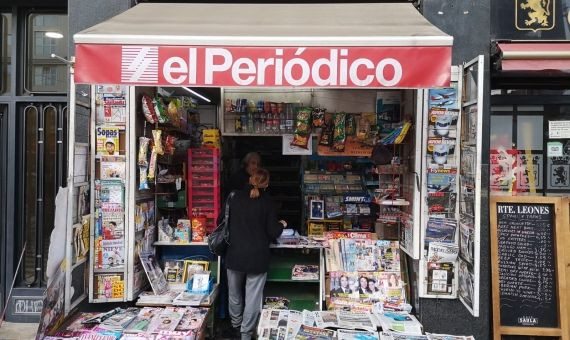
(383, 74)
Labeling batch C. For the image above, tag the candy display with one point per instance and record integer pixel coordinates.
(198, 229)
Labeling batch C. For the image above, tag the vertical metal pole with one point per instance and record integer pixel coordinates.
(40, 168)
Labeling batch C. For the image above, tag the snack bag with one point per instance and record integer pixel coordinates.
(143, 151)
(350, 125)
(152, 165)
(160, 110)
(143, 171)
(363, 129)
(198, 229)
(327, 135)
(302, 128)
(339, 135)
(318, 117)
(157, 136)
(173, 111)
(148, 109)
(169, 145)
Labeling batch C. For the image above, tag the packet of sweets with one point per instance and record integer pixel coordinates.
(350, 125)
(160, 110)
(169, 145)
(327, 135)
(148, 109)
(157, 137)
(173, 111)
(302, 128)
(339, 135)
(143, 182)
(318, 117)
(143, 151)
(152, 165)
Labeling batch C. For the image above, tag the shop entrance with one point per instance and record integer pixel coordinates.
(533, 136)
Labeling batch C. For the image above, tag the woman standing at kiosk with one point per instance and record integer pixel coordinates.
(253, 225)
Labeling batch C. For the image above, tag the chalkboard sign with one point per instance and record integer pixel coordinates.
(528, 265)
(527, 273)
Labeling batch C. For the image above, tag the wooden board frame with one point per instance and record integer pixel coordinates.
(561, 239)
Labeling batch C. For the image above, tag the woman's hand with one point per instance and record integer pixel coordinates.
(283, 223)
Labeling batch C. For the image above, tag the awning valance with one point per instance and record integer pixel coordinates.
(332, 45)
(534, 56)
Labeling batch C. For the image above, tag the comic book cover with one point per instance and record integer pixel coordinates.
(111, 192)
(193, 319)
(388, 252)
(442, 122)
(154, 273)
(113, 253)
(113, 229)
(442, 204)
(440, 230)
(441, 181)
(441, 153)
(111, 107)
(112, 168)
(466, 239)
(142, 321)
(182, 231)
(442, 252)
(167, 320)
(107, 140)
(443, 98)
(440, 278)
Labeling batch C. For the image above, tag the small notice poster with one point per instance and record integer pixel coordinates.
(558, 129)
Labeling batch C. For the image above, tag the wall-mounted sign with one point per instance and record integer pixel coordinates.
(530, 20)
(214, 66)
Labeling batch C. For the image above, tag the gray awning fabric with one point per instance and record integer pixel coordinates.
(351, 24)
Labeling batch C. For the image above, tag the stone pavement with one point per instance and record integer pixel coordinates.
(18, 331)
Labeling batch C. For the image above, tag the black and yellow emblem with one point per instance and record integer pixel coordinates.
(534, 15)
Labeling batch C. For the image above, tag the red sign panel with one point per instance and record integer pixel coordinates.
(213, 66)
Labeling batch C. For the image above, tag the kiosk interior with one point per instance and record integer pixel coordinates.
(372, 141)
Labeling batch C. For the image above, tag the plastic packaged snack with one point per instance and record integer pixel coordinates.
(339, 136)
(143, 151)
(152, 165)
(143, 182)
(350, 125)
(318, 117)
(148, 109)
(157, 138)
(173, 111)
(169, 145)
(327, 135)
(363, 129)
(160, 110)
(302, 128)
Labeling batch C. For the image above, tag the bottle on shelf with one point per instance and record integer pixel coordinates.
(250, 123)
(289, 118)
(268, 122)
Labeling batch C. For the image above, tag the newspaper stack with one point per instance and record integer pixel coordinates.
(291, 324)
(428, 336)
(151, 298)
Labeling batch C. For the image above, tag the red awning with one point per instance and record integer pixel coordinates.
(311, 45)
(535, 56)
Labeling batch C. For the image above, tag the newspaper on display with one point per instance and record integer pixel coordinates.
(343, 325)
